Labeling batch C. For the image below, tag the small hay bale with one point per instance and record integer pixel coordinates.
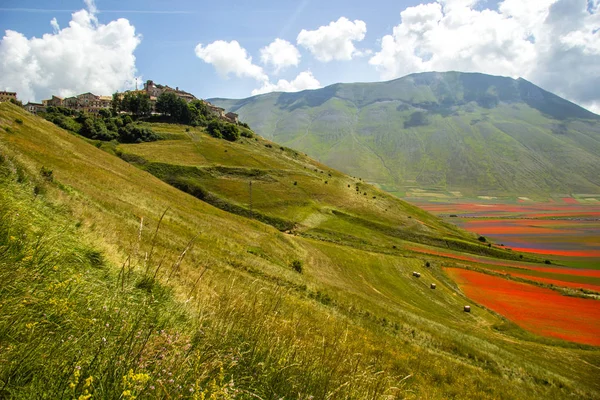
(468, 309)
(433, 286)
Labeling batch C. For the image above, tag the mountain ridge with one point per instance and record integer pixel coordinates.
(501, 122)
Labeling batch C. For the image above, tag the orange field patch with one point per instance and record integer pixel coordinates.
(539, 310)
(569, 200)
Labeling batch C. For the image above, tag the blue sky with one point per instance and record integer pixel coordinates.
(159, 40)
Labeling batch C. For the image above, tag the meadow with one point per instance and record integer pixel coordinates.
(116, 284)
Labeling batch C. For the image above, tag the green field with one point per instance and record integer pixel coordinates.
(101, 294)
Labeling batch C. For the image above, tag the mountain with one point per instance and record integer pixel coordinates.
(242, 269)
(468, 132)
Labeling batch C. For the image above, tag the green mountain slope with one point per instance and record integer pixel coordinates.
(473, 133)
(207, 297)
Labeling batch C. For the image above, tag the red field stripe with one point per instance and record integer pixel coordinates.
(557, 282)
(566, 253)
(539, 310)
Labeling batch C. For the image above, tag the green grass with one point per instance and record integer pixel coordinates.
(353, 324)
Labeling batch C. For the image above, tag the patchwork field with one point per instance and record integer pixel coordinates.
(565, 232)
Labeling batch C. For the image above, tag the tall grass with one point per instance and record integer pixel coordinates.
(73, 327)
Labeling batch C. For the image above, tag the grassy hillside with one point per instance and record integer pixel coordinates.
(109, 299)
(474, 133)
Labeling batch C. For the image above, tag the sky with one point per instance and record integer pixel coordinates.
(241, 48)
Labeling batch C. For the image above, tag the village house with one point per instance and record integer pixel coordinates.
(7, 96)
(232, 117)
(71, 102)
(34, 108)
(216, 111)
(54, 101)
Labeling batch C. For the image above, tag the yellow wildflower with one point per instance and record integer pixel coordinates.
(30, 325)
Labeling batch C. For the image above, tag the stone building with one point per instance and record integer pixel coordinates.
(34, 108)
(71, 102)
(54, 101)
(216, 111)
(232, 117)
(7, 96)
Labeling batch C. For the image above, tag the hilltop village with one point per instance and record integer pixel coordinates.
(92, 103)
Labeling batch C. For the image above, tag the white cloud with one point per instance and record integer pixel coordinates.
(554, 43)
(304, 80)
(230, 58)
(334, 41)
(85, 56)
(280, 54)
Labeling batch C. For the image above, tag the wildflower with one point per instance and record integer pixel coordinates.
(12, 238)
(89, 381)
(30, 325)
(75, 378)
(55, 268)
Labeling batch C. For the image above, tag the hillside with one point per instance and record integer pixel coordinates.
(303, 288)
(467, 132)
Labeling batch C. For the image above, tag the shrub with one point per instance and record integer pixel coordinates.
(297, 266)
(295, 183)
(223, 130)
(19, 121)
(46, 173)
(547, 262)
(246, 132)
(136, 134)
(482, 239)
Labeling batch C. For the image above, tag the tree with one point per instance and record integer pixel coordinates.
(104, 113)
(137, 104)
(169, 104)
(115, 104)
(166, 103)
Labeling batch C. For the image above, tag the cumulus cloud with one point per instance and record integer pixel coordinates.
(554, 43)
(280, 54)
(229, 58)
(304, 80)
(334, 41)
(85, 56)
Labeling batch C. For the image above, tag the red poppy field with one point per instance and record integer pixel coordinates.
(539, 310)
